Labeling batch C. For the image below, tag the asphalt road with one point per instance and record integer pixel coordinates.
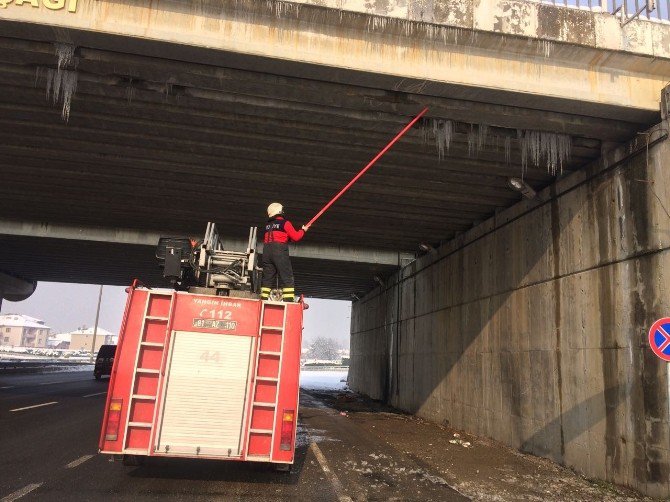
(49, 427)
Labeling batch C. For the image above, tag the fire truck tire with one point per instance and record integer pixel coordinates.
(133, 460)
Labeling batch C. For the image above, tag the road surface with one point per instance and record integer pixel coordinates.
(348, 449)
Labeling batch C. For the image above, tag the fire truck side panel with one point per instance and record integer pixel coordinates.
(123, 371)
(214, 377)
(265, 405)
(207, 315)
(289, 384)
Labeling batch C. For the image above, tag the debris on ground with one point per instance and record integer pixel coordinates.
(401, 450)
(457, 440)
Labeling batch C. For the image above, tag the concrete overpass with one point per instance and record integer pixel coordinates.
(125, 120)
(187, 111)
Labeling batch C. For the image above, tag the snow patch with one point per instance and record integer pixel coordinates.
(323, 380)
(304, 437)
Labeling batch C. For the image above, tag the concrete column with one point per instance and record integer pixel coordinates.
(532, 328)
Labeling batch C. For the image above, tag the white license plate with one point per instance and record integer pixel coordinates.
(214, 324)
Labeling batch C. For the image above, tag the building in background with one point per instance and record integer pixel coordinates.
(19, 330)
(82, 339)
(59, 341)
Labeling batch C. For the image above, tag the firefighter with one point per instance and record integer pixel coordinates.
(276, 262)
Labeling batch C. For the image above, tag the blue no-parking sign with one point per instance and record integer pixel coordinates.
(659, 338)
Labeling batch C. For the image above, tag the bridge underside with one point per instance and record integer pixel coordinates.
(163, 137)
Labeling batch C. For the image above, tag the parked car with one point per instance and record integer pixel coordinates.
(104, 361)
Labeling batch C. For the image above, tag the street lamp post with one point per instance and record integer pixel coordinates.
(95, 328)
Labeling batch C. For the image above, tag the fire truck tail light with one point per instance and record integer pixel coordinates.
(113, 419)
(287, 426)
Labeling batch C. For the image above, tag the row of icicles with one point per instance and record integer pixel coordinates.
(538, 148)
(426, 26)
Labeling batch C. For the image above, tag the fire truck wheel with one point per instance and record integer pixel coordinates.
(133, 460)
(283, 468)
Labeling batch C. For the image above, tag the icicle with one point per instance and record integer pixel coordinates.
(65, 53)
(472, 139)
(482, 134)
(130, 91)
(427, 130)
(546, 47)
(61, 83)
(281, 9)
(441, 131)
(544, 147)
(524, 154)
(38, 75)
(61, 86)
(50, 81)
(68, 87)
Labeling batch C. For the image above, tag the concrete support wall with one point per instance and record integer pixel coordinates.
(532, 327)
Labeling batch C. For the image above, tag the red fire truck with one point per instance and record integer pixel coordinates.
(205, 369)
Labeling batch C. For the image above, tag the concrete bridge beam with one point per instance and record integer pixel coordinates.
(554, 58)
(351, 254)
(14, 288)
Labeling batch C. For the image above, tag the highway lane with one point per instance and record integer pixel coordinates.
(50, 453)
(348, 448)
(35, 441)
(27, 389)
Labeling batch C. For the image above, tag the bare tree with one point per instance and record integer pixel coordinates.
(323, 348)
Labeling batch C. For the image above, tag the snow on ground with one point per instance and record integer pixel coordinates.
(67, 369)
(324, 380)
(8, 352)
(306, 436)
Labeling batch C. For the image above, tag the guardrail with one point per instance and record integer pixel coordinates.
(36, 366)
(627, 10)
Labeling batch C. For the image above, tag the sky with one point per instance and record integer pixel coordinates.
(66, 307)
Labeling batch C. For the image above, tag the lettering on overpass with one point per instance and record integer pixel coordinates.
(49, 4)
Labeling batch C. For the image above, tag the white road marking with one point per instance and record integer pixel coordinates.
(35, 406)
(20, 493)
(334, 480)
(79, 461)
(60, 381)
(96, 394)
(45, 383)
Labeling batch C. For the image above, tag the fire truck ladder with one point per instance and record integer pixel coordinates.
(141, 413)
(264, 375)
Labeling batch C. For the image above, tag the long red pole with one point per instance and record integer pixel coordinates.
(370, 164)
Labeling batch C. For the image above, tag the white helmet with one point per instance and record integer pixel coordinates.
(274, 209)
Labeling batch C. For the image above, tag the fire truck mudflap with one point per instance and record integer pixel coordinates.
(205, 377)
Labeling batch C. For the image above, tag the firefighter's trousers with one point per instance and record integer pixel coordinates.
(277, 264)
